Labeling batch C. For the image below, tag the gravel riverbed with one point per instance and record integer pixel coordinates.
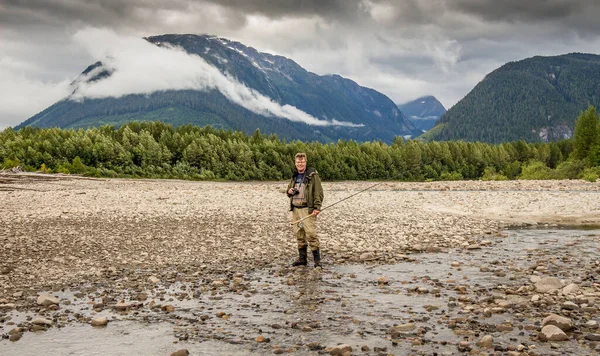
(409, 268)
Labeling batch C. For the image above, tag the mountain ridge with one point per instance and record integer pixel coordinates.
(536, 99)
(423, 112)
(330, 98)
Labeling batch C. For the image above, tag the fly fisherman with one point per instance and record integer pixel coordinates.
(306, 196)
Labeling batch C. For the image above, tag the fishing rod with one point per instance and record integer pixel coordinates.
(346, 198)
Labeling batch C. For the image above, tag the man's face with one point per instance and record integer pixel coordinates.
(300, 165)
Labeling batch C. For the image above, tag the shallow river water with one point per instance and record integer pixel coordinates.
(303, 311)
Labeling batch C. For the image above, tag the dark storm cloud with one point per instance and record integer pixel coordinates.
(402, 48)
(520, 10)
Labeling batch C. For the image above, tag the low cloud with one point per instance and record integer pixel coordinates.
(140, 67)
(22, 96)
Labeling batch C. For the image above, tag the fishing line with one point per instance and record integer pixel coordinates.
(348, 197)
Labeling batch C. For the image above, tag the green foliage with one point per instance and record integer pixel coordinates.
(536, 170)
(586, 136)
(491, 174)
(571, 169)
(591, 174)
(535, 100)
(158, 150)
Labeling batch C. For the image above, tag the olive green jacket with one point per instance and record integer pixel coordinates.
(314, 190)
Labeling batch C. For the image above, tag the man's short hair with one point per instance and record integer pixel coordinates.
(301, 156)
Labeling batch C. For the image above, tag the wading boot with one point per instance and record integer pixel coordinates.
(302, 254)
(317, 258)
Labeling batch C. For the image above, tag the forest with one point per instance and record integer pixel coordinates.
(159, 150)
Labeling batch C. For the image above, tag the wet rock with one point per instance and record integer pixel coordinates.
(47, 300)
(99, 322)
(552, 333)
(563, 323)
(569, 306)
(182, 352)
(168, 308)
(593, 337)
(339, 350)
(383, 280)
(547, 284)
(42, 322)
(15, 337)
(314, 346)
(434, 249)
(464, 346)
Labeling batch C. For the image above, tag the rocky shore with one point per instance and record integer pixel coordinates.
(417, 268)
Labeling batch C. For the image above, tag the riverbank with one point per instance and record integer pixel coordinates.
(111, 241)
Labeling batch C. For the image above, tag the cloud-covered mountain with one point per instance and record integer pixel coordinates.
(423, 112)
(206, 80)
(536, 99)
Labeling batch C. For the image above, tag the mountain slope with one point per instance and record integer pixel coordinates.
(328, 98)
(423, 112)
(536, 99)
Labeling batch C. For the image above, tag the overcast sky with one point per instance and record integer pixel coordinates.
(402, 48)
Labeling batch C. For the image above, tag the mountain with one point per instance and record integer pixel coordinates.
(536, 99)
(423, 112)
(329, 98)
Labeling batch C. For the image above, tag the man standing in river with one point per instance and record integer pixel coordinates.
(306, 196)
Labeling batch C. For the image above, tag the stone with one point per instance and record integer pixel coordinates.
(367, 256)
(593, 337)
(404, 327)
(561, 322)
(570, 289)
(486, 342)
(41, 321)
(535, 279)
(463, 346)
(552, 333)
(168, 308)
(383, 280)
(153, 279)
(15, 337)
(7, 306)
(122, 306)
(417, 247)
(100, 321)
(569, 306)
(182, 352)
(47, 300)
(339, 350)
(547, 284)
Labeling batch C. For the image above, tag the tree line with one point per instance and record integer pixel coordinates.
(159, 150)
